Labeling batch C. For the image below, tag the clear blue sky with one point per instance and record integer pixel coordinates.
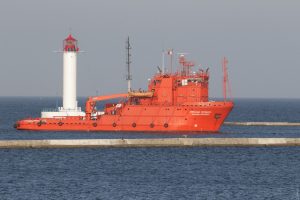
(261, 39)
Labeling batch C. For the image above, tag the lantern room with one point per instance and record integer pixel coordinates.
(70, 44)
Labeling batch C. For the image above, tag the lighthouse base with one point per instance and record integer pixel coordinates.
(61, 112)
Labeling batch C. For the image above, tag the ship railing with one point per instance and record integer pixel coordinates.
(50, 110)
(78, 109)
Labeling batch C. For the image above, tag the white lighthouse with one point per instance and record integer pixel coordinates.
(70, 67)
(70, 107)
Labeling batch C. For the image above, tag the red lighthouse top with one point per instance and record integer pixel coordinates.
(70, 44)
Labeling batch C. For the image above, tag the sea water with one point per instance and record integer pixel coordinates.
(152, 173)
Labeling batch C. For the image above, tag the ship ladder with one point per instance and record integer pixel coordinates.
(117, 117)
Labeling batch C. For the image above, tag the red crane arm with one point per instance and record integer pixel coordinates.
(91, 102)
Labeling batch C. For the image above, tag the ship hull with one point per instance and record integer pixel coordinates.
(201, 117)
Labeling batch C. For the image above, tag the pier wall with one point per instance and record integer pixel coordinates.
(160, 142)
(262, 123)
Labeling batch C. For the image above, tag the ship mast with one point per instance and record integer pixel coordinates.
(225, 78)
(170, 53)
(128, 62)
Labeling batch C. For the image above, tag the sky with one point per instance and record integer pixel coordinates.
(261, 40)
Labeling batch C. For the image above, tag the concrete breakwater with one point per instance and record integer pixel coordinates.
(262, 123)
(159, 142)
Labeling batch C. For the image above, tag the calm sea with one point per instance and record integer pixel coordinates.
(152, 173)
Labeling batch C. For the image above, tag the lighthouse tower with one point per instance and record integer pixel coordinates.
(70, 107)
(70, 50)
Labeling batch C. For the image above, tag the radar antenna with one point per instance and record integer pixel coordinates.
(128, 62)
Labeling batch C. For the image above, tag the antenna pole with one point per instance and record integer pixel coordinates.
(171, 61)
(170, 53)
(163, 62)
(225, 78)
(128, 62)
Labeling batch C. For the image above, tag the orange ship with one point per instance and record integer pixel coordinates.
(173, 102)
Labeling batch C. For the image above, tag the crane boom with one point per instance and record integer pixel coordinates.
(91, 102)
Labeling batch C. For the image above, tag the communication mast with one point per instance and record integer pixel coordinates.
(128, 62)
(170, 53)
(226, 85)
(186, 65)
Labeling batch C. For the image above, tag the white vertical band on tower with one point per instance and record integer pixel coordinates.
(69, 80)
